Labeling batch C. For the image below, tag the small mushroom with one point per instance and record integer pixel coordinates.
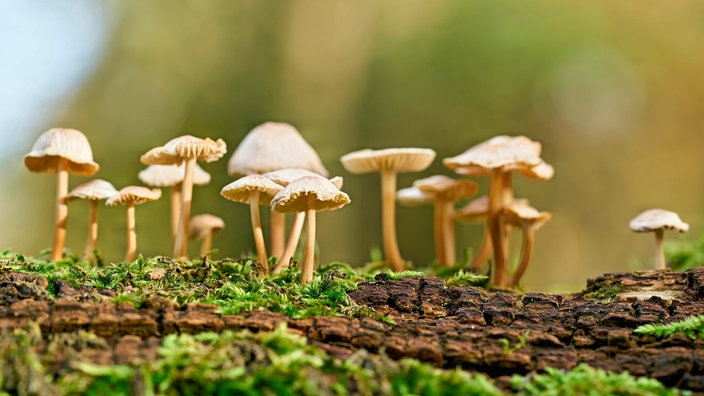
(94, 191)
(658, 220)
(254, 190)
(202, 227)
(131, 196)
(185, 149)
(309, 194)
(389, 162)
(528, 219)
(61, 151)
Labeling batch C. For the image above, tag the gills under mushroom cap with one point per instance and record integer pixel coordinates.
(311, 192)
(658, 219)
(498, 152)
(59, 143)
(134, 194)
(398, 159)
(447, 188)
(412, 196)
(93, 190)
(175, 151)
(171, 175)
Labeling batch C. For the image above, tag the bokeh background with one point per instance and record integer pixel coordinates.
(613, 90)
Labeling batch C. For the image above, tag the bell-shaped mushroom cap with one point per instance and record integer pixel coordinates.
(203, 224)
(171, 175)
(310, 192)
(521, 214)
(284, 177)
(412, 196)
(658, 219)
(398, 159)
(136, 195)
(62, 143)
(272, 146)
(498, 152)
(446, 187)
(184, 147)
(93, 190)
(240, 189)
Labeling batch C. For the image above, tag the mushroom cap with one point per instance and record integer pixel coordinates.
(412, 196)
(171, 175)
(272, 146)
(398, 159)
(541, 171)
(203, 224)
(62, 143)
(284, 177)
(521, 214)
(447, 188)
(240, 189)
(93, 190)
(658, 219)
(498, 152)
(310, 192)
(136, 195)
(175, 151)
(478, 209)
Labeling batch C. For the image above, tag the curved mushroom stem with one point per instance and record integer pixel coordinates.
(293, 237)
(437, 229)
(484, 251)
(448, 233)
(309, 252)
(175, 210)
(388, 220)
(526, 254)
(92, 230)
(57, 248)
(257, 231)
(277, 223)
(494, 223)
(206, 244)
(659, 251)
(181, 244)
(506, 200)
(131, 234)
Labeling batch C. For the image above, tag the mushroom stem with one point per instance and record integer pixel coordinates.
(659, 251)
(181, 244)
(494, 223)
(506, 200)
(257, 231)
(526, 254)
(309, 252)
(57, 248)
(447, 229)
(92, 229)
(131, 234)
(437, 229)
(293, 237)
(277, 222)
(206, 244)
(388, 220)
(175, 210)
(484, 251)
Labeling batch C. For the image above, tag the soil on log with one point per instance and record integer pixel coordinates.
(497, 333)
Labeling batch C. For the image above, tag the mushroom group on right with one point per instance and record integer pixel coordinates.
(657, 221)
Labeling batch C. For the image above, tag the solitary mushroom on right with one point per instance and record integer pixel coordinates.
(658, 220)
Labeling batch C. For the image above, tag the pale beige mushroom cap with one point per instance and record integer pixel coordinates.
(498, 152)
(134, 194)
(446, 187)
(284, 177)
(521, 214)
(478, 209)
(272, 146)
(658, 219)
(311, 192)
(412, 196)
(541, 171)
(62, 143)
(171, 175)
(398, 159)
(94, 190)
(203, 224)
(175, 151)
(240, 189)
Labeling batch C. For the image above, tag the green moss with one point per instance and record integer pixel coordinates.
(606, 292)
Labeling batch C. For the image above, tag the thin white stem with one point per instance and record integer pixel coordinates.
(293, 238)
(309, 252)
(57, 248)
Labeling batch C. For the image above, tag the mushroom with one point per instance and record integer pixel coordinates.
(309, 194)
(389, 162)
(269, 147)
(94, 191)
(202, 227)
(284, 177)
(61, 151)
(172, 176)
(520, 214)
(188, 149)
(131, 196)
(658, 220)
(254, 190)
(446, 191)
(412, 196)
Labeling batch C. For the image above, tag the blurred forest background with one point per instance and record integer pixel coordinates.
(613, 90)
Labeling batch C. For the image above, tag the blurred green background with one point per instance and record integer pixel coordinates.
(613, 90)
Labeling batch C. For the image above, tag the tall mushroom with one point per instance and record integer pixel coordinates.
(61, 151)
(389, 162)
(254, 190)
(528, 219)
(172, 176)
(185, 149)
(202, 227)
(658, 220)
(131, 196)
(94, 191)
(309, 194)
